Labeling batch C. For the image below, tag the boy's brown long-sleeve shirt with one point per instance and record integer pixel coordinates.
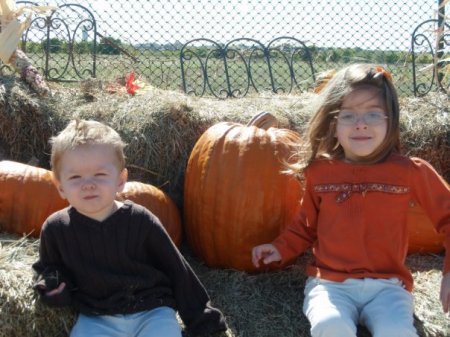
(354, 217)
(124, 264)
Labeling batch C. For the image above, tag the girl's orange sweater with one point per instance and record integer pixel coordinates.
(354, 217)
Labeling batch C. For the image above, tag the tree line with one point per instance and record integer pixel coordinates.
(114, 46)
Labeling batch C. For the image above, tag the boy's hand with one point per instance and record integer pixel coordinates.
(57, 290)
(267, 252)
(445, 292)
(54, 289)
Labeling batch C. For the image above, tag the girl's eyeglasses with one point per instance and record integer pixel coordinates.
(369, 118)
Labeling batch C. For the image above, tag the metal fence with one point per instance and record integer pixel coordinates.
(235, 47)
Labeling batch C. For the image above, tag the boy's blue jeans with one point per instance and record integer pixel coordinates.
(158, 322)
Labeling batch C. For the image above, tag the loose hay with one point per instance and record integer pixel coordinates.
(258, 305)
(26, 121)
(20, 313)
(425, 130)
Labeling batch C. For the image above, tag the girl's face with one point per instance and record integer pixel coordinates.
(90, 178)
(361, 123)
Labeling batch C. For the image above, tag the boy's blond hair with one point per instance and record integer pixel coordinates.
(80, 132)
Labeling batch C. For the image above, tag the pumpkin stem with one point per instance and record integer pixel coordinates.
(263, 120)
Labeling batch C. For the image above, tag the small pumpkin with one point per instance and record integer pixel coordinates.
(235, 196)
(159, 203)
(28, 196)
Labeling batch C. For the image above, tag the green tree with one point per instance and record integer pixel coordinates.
(33, 47)
(109, 46)
(83, 47)
(55, 45)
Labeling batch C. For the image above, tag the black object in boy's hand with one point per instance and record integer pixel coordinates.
(48, 280)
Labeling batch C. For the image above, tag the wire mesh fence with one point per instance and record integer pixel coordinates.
(235, 47)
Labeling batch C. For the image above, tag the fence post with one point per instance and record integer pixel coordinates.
(440, 42)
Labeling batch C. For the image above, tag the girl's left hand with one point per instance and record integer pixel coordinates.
(445, 292)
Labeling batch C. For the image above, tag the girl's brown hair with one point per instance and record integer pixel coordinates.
(321, 142)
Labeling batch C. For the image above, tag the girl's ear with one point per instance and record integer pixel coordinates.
(123, 177)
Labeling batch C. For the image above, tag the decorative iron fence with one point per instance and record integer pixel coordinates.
(430, 41)
(231, 70)
(235, 47)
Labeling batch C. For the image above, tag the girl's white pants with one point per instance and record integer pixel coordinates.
(382, 305)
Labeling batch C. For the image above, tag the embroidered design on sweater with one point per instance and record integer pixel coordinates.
(345, 190)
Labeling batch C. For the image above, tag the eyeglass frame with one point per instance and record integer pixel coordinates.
(363, 117)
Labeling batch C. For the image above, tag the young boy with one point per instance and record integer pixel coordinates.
(111, 261)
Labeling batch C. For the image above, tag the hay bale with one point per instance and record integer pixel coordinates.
(262, 305)
(425, 130)
(161, 127)
(26, 122)
(21, 314)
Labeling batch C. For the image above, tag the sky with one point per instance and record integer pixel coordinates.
(368, 24)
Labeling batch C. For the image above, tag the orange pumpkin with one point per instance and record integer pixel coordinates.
(423, 237)
(28, 196)
(235, 196)
(159, 203)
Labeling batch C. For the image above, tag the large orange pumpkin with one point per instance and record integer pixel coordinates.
(235, 196)
(28, 196)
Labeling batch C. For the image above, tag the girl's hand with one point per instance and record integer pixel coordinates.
(56, 291)
(445, 292)
(267, 252)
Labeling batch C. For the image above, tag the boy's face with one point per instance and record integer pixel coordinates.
(89, 179)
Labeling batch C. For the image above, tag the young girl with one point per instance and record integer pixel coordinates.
(358, 188)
